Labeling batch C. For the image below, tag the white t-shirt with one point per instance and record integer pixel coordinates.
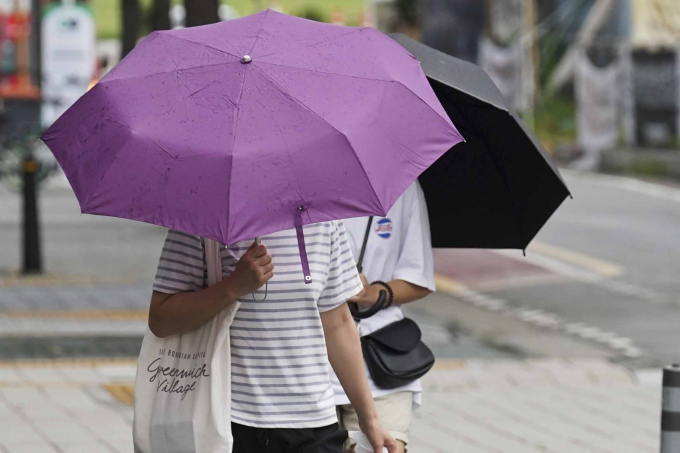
(398, 248)
(278, 351)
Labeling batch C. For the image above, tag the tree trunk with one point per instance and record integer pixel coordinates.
(160, 15)
(130, 29)
(201, 12)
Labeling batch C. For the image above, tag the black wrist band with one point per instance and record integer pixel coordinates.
(390, 294)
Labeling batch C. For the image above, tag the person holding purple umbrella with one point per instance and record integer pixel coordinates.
(238, 130)
(283, 337)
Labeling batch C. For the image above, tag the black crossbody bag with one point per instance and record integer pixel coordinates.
(395, 354)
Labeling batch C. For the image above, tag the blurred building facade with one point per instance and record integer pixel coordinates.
(19, 93)
(655, 83)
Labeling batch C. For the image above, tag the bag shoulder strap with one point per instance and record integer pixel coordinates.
(363, 245)
(213, 260)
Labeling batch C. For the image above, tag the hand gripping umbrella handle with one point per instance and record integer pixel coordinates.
(375, 308)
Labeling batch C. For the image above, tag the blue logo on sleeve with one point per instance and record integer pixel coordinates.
(384, 228)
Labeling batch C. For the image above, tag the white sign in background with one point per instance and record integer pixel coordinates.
(69, 58)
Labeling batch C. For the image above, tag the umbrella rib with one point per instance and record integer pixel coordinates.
(219, 79)
(490, 104)
(233, 144)
(443, 58)
(145, 135)
(520, 229)
(355, 77)
(257, 37)
(448, 123)
(105, 81)
(484, 103)
(83, 206)
(360, 78)
(303, 105)
(203, 44)
(316, 43)
(322, 72)
(536, 142)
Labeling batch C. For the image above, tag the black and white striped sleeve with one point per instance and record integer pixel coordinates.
(343, 280)
(181, 266)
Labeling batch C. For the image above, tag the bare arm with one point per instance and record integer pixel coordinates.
(344, 353)
(404, 292)
(173, 314)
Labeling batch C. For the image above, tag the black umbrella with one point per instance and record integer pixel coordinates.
(498, 188)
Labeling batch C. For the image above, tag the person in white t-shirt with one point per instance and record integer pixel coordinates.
(399, 252)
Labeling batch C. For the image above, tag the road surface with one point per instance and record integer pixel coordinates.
(605, 268)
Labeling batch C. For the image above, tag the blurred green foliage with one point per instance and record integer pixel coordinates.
(551, 49)
(554, 120)
(107, 12)
(14, 147)
(312, 13)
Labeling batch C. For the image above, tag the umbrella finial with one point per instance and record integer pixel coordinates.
(246, 59)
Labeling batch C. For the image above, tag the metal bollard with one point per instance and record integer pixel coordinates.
(670, 410)
(31, 226)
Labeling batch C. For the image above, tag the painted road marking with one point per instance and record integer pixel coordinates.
(571, 264)
(492, 270)
(629, 289)
(596, 265)
(630, 184)
(538, 318)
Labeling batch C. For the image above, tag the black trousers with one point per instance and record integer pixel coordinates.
(327, 439)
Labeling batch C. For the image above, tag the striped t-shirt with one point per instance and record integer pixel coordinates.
(279, 361)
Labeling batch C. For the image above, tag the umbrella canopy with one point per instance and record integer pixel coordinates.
(243, 128)
(498, 188)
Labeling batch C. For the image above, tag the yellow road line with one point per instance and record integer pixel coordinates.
(113, 315)
(124, 393)
(601, 267)
(448, 285)
(55, 279)
(48, 384)
(85, 362)
(449, 364)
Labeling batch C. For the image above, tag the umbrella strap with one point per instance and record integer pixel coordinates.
(301, 244)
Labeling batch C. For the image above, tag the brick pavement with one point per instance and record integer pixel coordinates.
(472, 406)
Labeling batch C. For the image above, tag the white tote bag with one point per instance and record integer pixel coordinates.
(183, 384)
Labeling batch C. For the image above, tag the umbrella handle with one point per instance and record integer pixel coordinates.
(266, 288)
(266, 284)
(375, 308)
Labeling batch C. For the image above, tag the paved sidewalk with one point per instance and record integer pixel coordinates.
(64, 407)
(472, 406)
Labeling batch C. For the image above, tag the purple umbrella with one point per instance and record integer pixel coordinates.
(256, 125)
